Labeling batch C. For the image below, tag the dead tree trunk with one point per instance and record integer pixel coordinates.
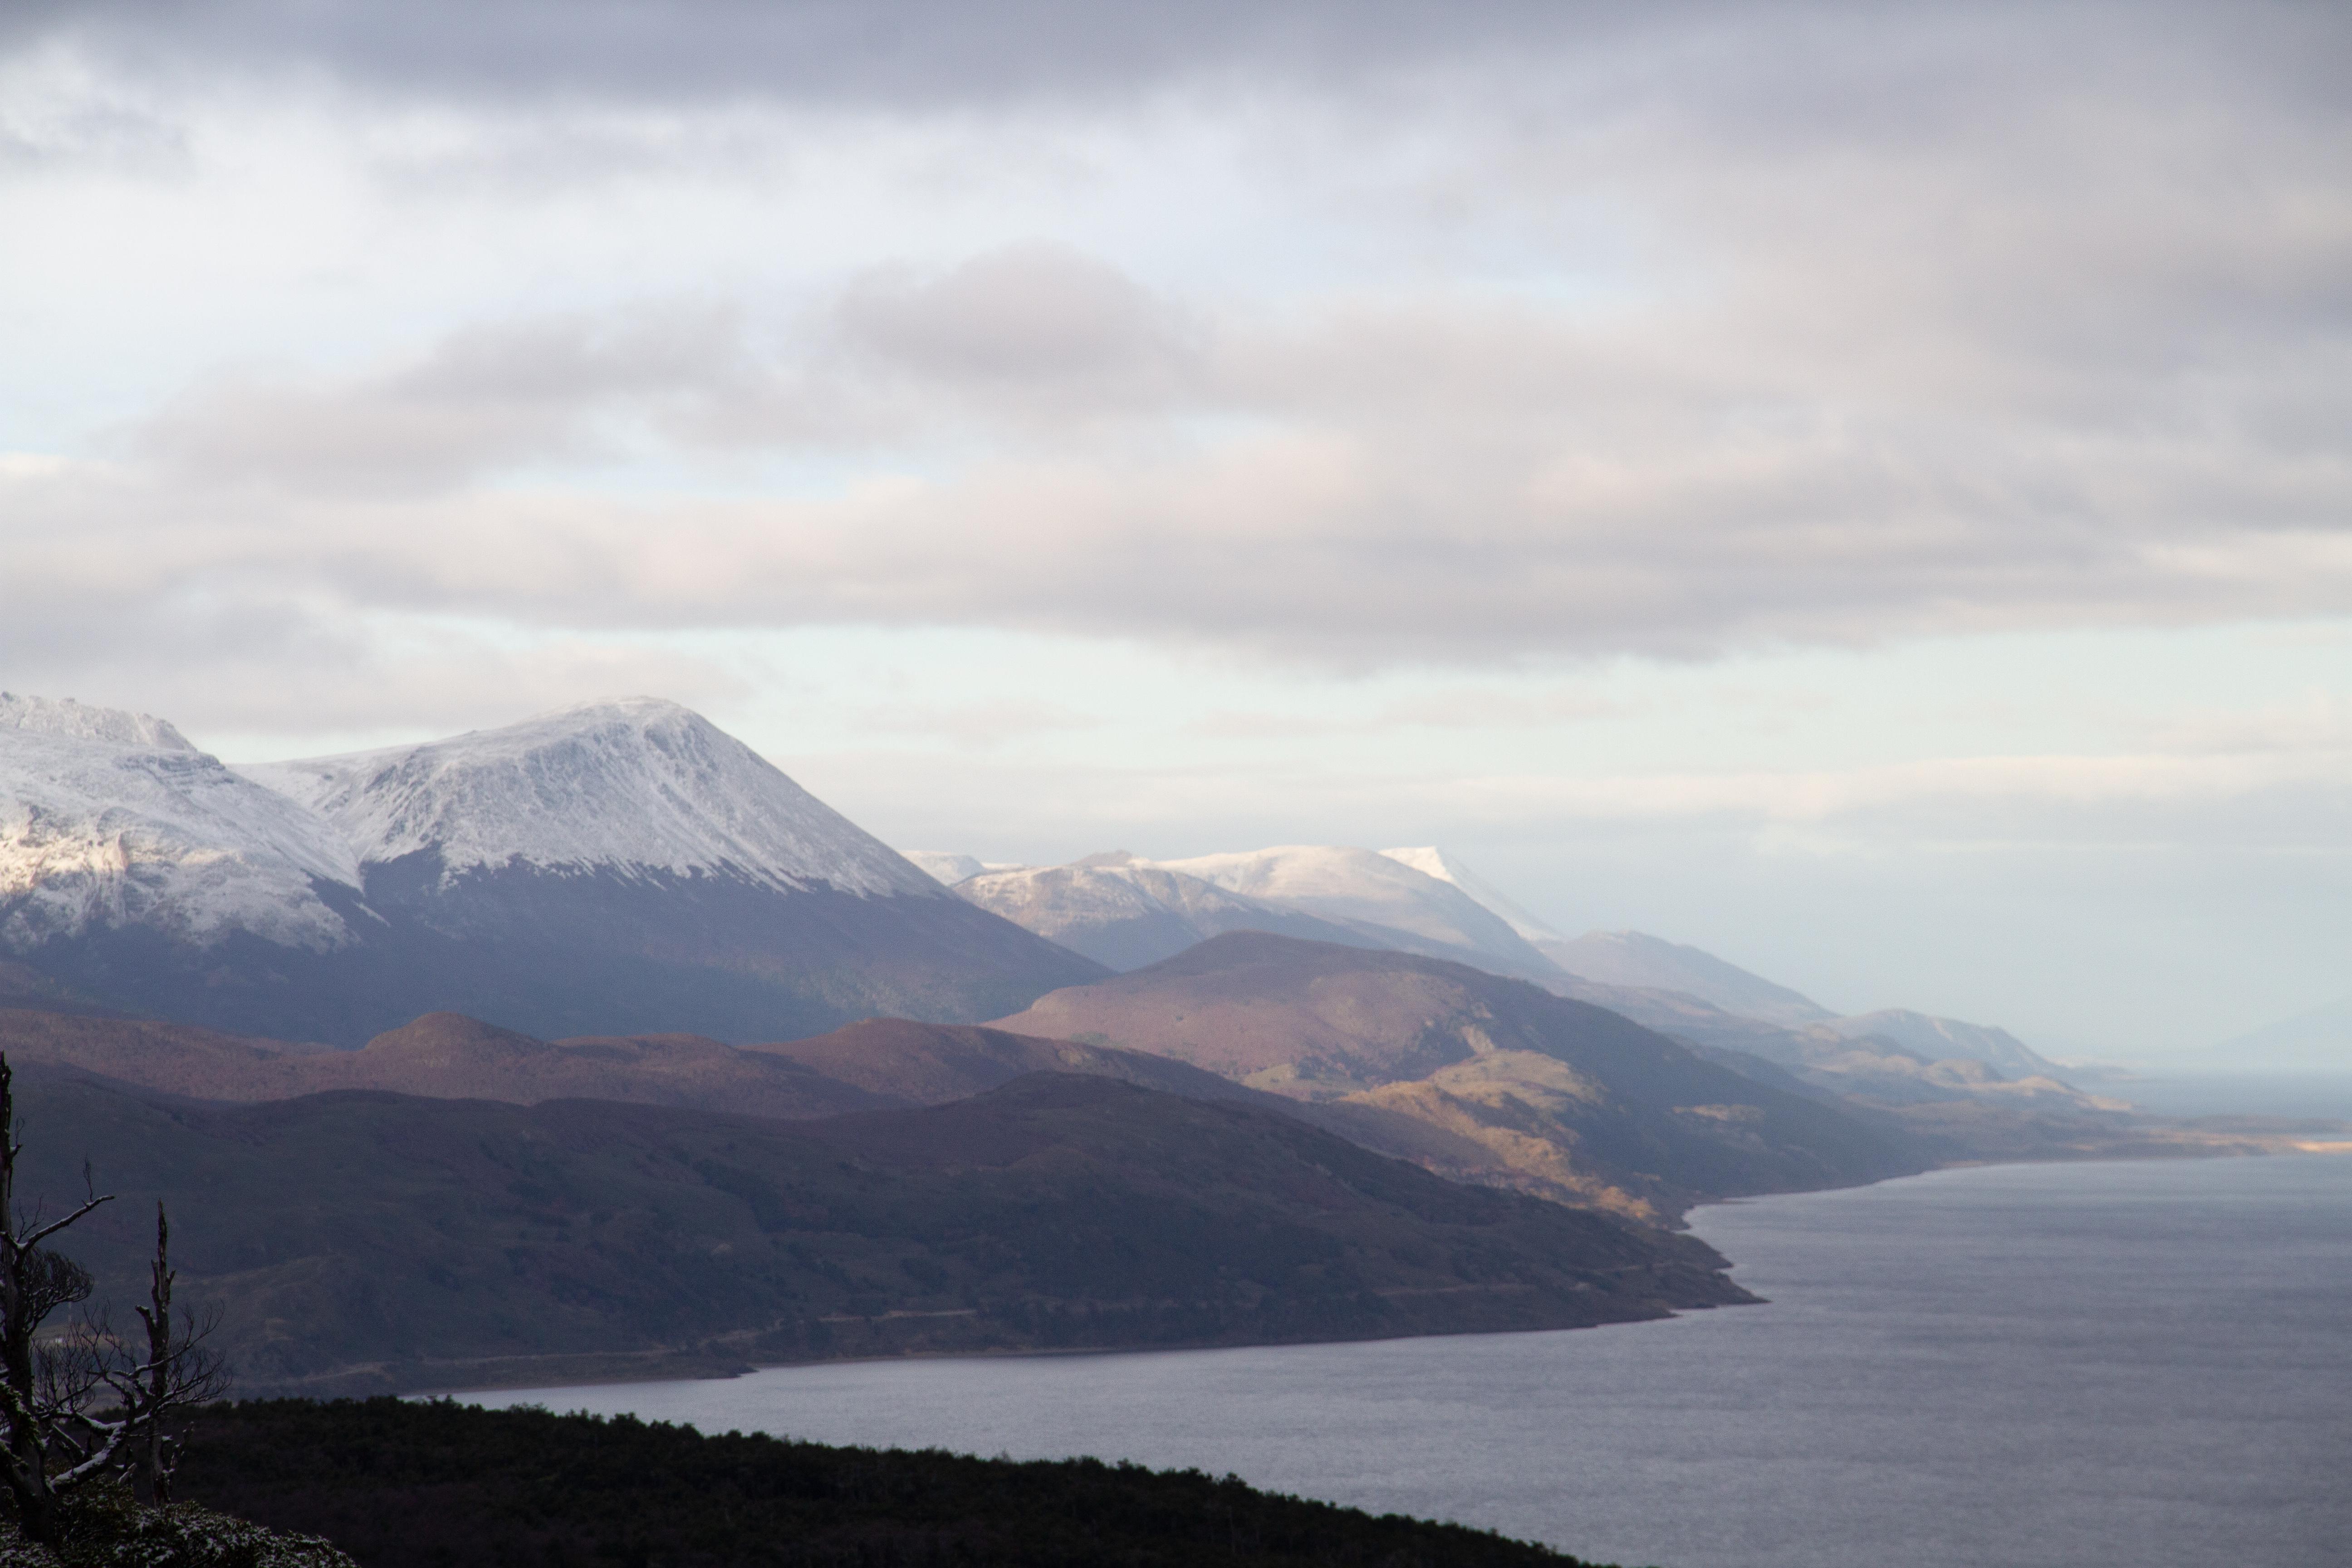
(34, 1283)
(178, 1373)
(57, 1439)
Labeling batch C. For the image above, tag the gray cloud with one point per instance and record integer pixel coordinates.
(1894, 324)
(1031, 317)
(1428, 476)
(913, 53)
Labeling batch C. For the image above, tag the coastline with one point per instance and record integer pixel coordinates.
(712, 1361)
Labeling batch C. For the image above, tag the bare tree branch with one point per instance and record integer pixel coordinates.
(56, 1435)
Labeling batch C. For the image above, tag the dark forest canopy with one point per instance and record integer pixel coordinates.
(396, 1484)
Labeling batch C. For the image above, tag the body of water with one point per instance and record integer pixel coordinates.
(2143, 1364)
(2321, 1095)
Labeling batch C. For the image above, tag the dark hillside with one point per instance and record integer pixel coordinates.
(444, 1486)
(366, 1241)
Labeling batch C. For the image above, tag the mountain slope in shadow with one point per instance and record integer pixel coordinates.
(362, 1240)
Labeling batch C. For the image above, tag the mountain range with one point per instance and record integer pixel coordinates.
(619, 867)
(2316, 1041)
(559, 1050)
(1479, 1076)
(1128, 913)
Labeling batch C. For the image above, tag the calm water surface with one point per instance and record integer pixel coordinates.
(2145, 1364)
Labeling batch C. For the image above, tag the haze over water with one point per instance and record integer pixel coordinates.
(2131, 1363)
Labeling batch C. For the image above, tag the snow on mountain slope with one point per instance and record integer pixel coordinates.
(65, 717)
(1127, 913)
(111, 819)
(946, 868)
(636, 785)
(1431, 861)
(1649, 963)
(1087, 909)
(1373, 892)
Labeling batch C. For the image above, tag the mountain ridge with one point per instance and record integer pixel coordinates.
(619, 867)
(1564, 1099)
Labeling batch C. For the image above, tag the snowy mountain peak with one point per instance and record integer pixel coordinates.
(1368, 889)
(111, 726)
(110, 819)
(637, 785)
(1431, 861)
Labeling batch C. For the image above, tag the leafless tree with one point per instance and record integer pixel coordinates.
(85, 1404)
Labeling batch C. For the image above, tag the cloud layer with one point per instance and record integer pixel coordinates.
(1836, 326)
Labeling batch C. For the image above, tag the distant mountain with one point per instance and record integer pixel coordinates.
(943, 867)
(370, 1241)
(1557, 1097)
(1127, 912)
(1378, 897)
(2316, 1042)
(1872, 1067)
(946, 868)
(1431, 861)
(1684, 991)
(613, 869)
(1649, 963)
(1945, 1039)
(1124, 913)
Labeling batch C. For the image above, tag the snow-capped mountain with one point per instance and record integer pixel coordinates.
(1126, 913)
(1431, 861)
(1376, 895)
(616, 868)
(111, 819)
(638, 786)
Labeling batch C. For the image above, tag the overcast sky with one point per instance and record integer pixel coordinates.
(1862, 489)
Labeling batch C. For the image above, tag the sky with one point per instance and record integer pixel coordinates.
(1864, 490)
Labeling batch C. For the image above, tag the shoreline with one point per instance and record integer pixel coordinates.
(621, 1368)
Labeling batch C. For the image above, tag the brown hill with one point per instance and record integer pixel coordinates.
(375, 1241)
(1557, 1097)
(442, 1056)
(179, 1058)
(901, 1062)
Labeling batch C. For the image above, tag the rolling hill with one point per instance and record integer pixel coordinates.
(1564, 1099)
(361, 1241)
